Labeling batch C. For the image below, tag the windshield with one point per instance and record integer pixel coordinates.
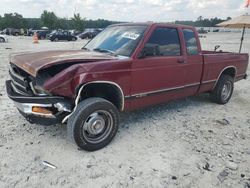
(119, 40)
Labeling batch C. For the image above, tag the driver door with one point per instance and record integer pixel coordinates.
(160, 75)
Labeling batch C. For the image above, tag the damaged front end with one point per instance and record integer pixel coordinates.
(35, 104)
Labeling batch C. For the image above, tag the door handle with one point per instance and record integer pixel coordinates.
(181, 61)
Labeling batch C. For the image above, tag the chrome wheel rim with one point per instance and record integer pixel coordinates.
(226, 91)
(97, 126)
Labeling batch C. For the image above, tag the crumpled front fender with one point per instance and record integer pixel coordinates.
(65, 82)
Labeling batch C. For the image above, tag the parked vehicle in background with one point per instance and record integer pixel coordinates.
(74, 32)
(125, 67)
(90, 33)
(43, 34)
(30, 32)
(12, 31)
(3, 38)
(216, 30)
(62, 35)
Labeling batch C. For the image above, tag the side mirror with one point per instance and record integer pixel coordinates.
(149, 50)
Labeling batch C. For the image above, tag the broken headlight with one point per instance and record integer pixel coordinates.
(38, 90)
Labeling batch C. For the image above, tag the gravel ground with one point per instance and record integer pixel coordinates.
(186, 143)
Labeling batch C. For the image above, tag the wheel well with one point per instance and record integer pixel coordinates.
(231, 71)
(107, 91)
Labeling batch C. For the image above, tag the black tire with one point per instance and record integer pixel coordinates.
(2, 40)
(73, 39)
(221, 95)
(56, 39)
(83, 121)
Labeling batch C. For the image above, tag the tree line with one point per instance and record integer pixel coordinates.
(203, 22)
(52, 21)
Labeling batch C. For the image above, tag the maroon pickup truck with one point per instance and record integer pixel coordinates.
(125, 67)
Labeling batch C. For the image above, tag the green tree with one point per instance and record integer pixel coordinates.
(49, 19)
(14, 20)
(199, 22)
(78, 22)
(63, 23)
(1, 22)
(34, 23)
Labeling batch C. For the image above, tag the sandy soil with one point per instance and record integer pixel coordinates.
(186, 143)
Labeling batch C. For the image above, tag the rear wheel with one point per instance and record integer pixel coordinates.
(223, 90)
(94, 124)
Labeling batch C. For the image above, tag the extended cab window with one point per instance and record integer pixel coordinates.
(191, 42)
(165, 41)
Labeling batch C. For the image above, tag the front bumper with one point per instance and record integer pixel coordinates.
(56, 108)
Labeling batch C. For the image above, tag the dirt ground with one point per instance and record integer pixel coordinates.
(186, 143)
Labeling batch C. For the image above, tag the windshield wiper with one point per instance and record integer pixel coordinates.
(104, 51)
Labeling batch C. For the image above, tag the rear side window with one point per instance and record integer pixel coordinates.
(191, 42)
(166, 41)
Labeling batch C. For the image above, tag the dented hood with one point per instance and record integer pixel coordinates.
(32, 62)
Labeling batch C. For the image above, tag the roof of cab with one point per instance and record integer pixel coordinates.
(151, 24)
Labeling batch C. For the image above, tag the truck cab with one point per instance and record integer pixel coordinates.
(174, 53)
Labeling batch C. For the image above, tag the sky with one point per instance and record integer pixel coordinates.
(128, 10)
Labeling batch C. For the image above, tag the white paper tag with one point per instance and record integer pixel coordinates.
(129, 35)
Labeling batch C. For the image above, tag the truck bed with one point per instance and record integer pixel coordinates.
(216, 62)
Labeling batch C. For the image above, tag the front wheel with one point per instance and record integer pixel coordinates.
(223, 90)
(94, 124)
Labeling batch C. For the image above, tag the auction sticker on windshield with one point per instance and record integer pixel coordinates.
(129, 35)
